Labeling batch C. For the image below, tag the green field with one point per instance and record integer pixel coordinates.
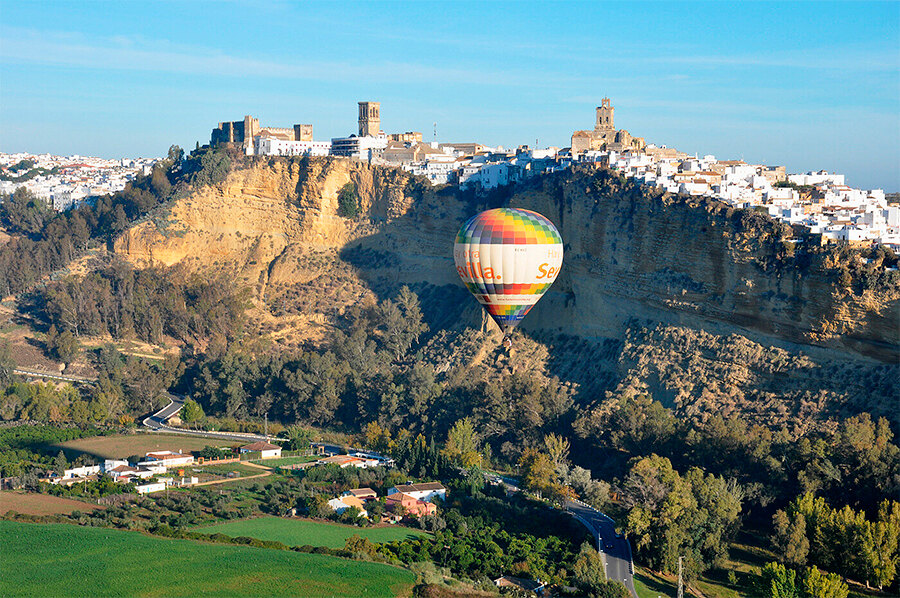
(286, 461)
(223, 469)
(651, 586)
(297, 532)
(67, 560)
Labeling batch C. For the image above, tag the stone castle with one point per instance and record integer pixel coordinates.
(242, 132)
(605, 136)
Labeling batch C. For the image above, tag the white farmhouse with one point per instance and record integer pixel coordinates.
(265, 449)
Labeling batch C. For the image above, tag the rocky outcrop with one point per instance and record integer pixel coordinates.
(637, 253)
(648, 278)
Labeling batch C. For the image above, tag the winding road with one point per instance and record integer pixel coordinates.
(157, 423)
(615, 549)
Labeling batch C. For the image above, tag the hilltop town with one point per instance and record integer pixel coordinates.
(820, 202)
(66, 181)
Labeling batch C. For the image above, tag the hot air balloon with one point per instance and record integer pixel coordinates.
(508, 258)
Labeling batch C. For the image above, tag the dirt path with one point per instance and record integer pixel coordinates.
(227, 480)
(256, 465)
(267, 471)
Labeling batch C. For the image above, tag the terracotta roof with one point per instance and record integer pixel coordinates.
(166, 455)
(260, 446)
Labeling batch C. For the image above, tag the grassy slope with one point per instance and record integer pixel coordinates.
(746, 560)
(66, 560)
(297, 532)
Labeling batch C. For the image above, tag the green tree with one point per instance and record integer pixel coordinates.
(60, 463)
(66, 347)
(790, 537)
(820, 584)
(671, 515)
(886, 540)
(25, 212)
(611, 589)
(192, 412)
(558, 450)
(587, 569)
(462, 446)
(538, 473)
(777, 581)
(401, 322)
(175, 155)
(348, 201)
(300, 438)
(7, 365)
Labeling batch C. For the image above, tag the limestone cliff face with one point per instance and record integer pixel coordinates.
(634, 253)
(245, 224)
(631, 254)
(703, 306)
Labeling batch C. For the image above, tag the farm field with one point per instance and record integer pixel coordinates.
(224, 469)
(67, 560)
(297, 532)
(125, 445)
(31, 503)
(286, 461)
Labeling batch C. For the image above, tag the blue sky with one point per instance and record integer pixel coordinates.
(807, 85)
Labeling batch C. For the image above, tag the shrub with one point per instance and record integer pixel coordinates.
(348, 201)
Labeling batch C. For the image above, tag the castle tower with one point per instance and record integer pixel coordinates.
(251, 129)
(605, 121)
(369, 118)
(303, 132)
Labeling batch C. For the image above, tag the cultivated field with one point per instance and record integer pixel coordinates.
(125, 445)
(67, 560)
(30, 503)
(297, 532)
(286, 461)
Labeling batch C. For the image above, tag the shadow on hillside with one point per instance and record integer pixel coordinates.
(416, 250)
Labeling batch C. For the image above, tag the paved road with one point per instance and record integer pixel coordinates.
(616, 550)
(51, 376)
(157, 423)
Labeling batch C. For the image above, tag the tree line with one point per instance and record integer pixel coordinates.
(45, 241)
(148, 304)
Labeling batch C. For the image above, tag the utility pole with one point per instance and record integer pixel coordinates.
(680, 580)
(267, 425)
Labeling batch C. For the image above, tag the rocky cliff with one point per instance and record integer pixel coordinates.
(682, 297)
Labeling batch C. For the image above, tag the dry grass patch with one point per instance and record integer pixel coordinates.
(125, 445)
(31, 503)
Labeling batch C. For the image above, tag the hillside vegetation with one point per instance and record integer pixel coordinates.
(703, 365)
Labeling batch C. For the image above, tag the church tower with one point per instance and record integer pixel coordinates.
(369, 118)
(605, 120)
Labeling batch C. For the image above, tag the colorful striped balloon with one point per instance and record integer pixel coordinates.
(508, 258)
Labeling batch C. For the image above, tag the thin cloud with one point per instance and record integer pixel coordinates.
(135, 53)
(867, 61)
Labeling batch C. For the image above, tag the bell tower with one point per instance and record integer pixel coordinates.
(369, 118)
(605, 120)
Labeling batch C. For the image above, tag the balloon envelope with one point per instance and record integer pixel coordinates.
(508, 258)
